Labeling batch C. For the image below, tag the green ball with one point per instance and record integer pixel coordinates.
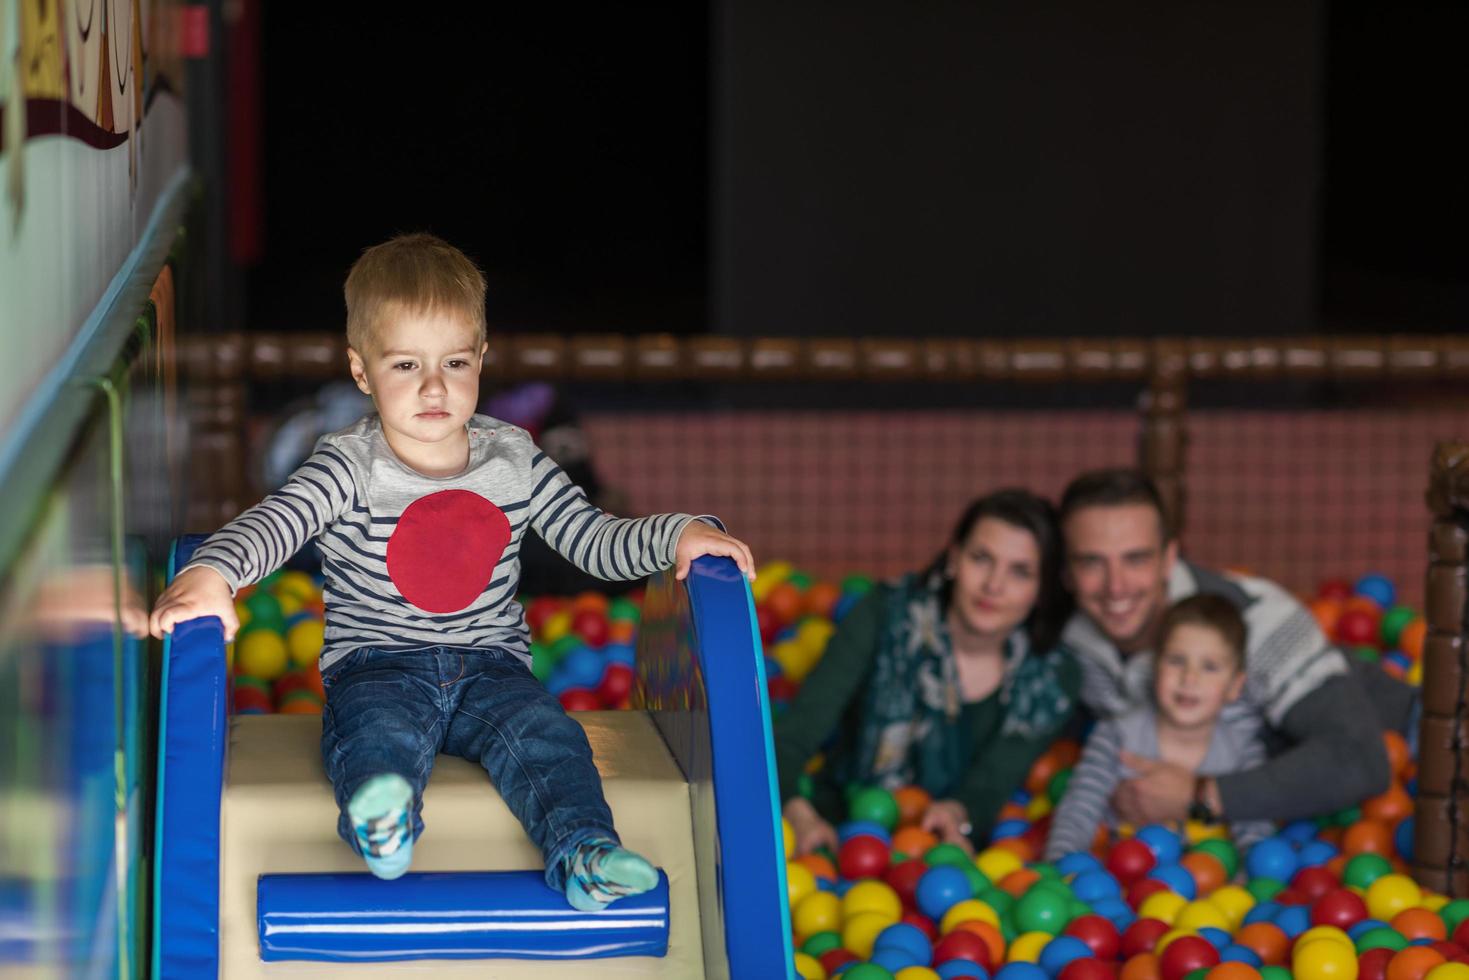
(1198, 974)
(821, 942)
(1393, 622)
(245, 680)
(1264, 889)
(270, 580)
(1046, 871)
(1056, 886)
(1042, 910)
(874, 804)
(1383, 936)
(1079, 908)
(1056, 788)
(541, 661)
(1001, 901)
(1224, 851)
(1008, 929)
(1368, 655)
(867, 971)
(856, 585)
(1453, 913)
(623, 610)
(1363, 869)
(977, 881)
(565, 645)
(800, 580)
(950, 854)
(265, 611)
(805, 785)
(1349, 816)
(1274, 973)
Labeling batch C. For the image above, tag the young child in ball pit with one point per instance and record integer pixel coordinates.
(419, 511)
(1195, 720)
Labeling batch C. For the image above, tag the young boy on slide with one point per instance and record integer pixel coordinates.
(1195, 721)
(420, 511)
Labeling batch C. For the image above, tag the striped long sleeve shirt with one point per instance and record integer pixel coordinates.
(412, 560)
(1235, 746)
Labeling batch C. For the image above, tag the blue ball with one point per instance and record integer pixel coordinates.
(1092, 887)
(1177, 879)
(1422, 941)
(584, 666)
(1262, 912)
(773, 669)
(1399, 658)
(1356, 931)
(963, 968)
(939, 889)
(1116, 911)
(1060, 951)
(1164, 843)
(1020, 797)
(559, 682)
(1076, 863)
(1411, 787)
(1298, 832)
(1016, 971)
(826, 885)
(842, 886)
(907, 937)
(844, 605)
(855, 828)
(623, 653)
(1239, 954)
(1314, 853)
(894, 958)
(1402, 839)
(1009, 828)
(1378, 588)
(1272, 858)
(1293, 920)
(1217, 938)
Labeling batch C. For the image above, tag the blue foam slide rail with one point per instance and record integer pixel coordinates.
(449, 915)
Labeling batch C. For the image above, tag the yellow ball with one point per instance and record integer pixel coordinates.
(1448, 971)
(1330, 934)
(996, 863)
(800, 882)
(289, 604)
(796, 661)
(1390, 894)
(1234, 902)
(916, 973)
(557, 625)
(860, 931)
(964, 911)
(813, 634)
(787, 836)
(1415, 674)
(870, 895)
(817, 912)
(1433, 902)
(1196, 832)
(1037, 808)
(242, 613)
(1027, 947)
(1202, 915)
(809, 967)
(768, 576)
(303, 641)
(1167, 938)
(297, 585)
(1163, 906)
(1324, 959)
(261, 653)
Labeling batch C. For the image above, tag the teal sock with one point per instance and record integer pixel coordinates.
(379, 812)
(599, 872)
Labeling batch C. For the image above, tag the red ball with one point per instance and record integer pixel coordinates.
(1372, 965)
(1130, 860)
(1450, 950)
(252, 700)
(1138, 891)
(780, 688)
(591, 626)
(961, 944)
(1357, 627)
(1461, 934)
(1185, 955)
(1334, 589)
(1314, 882)
(903, 879)
(616, 684)
(916, 918)
(1290, 897)
(1142, 936)
(833, 958)
(1340, 908)
(1088, 969)
(862, 856)
(540, 610)
(1098, 933)
(768, 624)
(580, 699)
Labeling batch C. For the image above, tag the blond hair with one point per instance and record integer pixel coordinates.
(417, 273)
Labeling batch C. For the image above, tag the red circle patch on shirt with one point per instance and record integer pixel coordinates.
(445, 549)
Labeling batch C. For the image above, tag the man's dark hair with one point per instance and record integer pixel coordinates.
(1114, 488)
(1213, 611)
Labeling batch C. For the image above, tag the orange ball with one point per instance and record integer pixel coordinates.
(1420, 924)
(912, 803)
(913, 841)
(1018, 882)
(1332, 836)
(1337, 866)
(1067, 752)
(621, 631)
(1389, 807)
(1207, 871)
(989, 934)
(590, 602)
(819, 865)
(1143, 966)
(1398, 756)
(1233, 971)
(1368, 837)
(1326, 612)
(1410, 640)
(1010, 811)
(821, 599)
(1041, 773)
(784, 602)
(1018, 846)
(1266, 940)
(1412, 963)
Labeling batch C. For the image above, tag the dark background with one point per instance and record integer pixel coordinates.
(996, 169)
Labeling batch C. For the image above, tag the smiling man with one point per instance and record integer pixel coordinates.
(1324, 715)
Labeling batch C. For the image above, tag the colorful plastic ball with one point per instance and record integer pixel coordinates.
(1142, 936)
(1271, 858)
(1234, 902)
(1385, 937)
(1314, 882)
(1164, 843)
(968, 910)
(858, 828)
(1266, 940)
(303, 641)
(1088, 969)
(1176, 878)
(957, 969)
(916, 973)
(261, 652)
(862, 856)
(947, 854)
(251, 698)
(1293, 920)
(1323, 959)
(1413, 963)
(1366, 925)
(1390, 894)
(1186, 954)
(1061, 951)
(1099, 935)
(941, 888)
(809, 967)
(1448, 971)
(894, 959)
(875, 805)
(1130, 860)
(820, 911)
(1378, 588)
(1235, 953)
(1077, 863)
(1163, 906)
(1264, 889)
(1393, 622)
(907, 937)
(961, 944)
(1042, 910)
(300, 702)
(1021, 971)
(1357, 627)
(996, 863)
(1417, 923)
(860, 931)
(1200, 915)
(1340, 908)
(579, 699)
(616, 684)
(1143, 966)
(1402, 838)
(1233, 970)
(1372, 965)
(820, 942)
(1094, 886)
(1026, 947)
(866, 971)
(1314, 853)
(1454, 913)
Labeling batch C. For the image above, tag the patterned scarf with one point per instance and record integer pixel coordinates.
(910, 731)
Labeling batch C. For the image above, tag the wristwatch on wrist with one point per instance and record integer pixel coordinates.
(1200, 810)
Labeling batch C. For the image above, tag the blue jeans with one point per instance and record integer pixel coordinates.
(390, 710)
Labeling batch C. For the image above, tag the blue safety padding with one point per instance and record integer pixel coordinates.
(726, 640)
(193, 732)
(449, 915)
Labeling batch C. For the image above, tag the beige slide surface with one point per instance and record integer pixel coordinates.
(279, 816)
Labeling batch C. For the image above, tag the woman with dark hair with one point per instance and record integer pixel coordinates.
(950, 679)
